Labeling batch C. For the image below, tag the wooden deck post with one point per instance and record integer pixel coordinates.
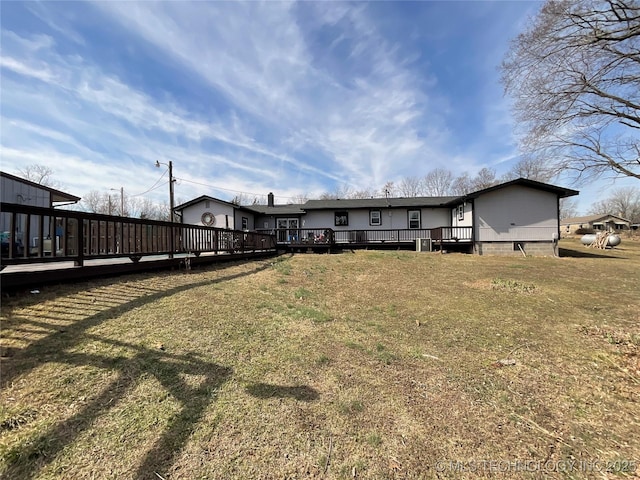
(79, 262)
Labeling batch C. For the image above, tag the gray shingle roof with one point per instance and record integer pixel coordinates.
(547, 187)
(590, 218)
(289, 209)
(379, 203)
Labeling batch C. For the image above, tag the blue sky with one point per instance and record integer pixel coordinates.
(294, 98)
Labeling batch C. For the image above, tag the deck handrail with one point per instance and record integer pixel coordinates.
(40, 234)
(328, 236)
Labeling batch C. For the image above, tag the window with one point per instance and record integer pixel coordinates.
(375, 217)
(414, 219)
(245, 223)
(342, 219)
(460, 212)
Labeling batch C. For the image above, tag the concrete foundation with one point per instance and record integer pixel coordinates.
(537, 249)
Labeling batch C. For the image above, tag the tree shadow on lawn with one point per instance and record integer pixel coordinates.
(299, 392)
(571, 253)
(168, 369)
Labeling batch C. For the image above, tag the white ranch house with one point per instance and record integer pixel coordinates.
(510, 218)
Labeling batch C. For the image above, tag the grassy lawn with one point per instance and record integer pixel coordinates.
(359, 365)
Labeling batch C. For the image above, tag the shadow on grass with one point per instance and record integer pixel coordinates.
(571, 253)
(169, 369)
(301, 393)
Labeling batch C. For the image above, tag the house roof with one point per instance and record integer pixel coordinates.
(367, 203)
(288, 209)
(203, 198)
(379, 203)
(56, 195)
(547, 187)
(590, 218)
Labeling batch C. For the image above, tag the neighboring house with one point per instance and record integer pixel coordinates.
(516, 216)
(24, 192)
(593, 223)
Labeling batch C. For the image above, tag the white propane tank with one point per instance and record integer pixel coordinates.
(612, 241)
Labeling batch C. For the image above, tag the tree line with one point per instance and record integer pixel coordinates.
(111, 202)
(624, 201)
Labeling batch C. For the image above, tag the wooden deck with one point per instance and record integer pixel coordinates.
(327, 239)
(77, 245)
(42, 245)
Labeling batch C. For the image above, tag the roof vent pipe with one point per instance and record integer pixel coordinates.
(270, 199)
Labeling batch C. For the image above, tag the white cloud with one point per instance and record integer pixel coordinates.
(291, 98)
(268, 70)
(41, 73)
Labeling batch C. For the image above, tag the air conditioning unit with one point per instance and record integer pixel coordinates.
(423, 244)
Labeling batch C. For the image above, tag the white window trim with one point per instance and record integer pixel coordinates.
(378, 221)
(409, 212)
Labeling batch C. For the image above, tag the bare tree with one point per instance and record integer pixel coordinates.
(247, 199)
(623, 202)
(532, 168)
(95, 202)
(574, 75)
(341, 191)
(389, 190)
(411, 187)
(461, 185)
(568, 208)
(485, 178)
(438, 182)
(300, 198)
(364, 193)
(40, 174)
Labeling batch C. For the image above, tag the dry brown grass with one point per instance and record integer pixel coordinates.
(365, 365)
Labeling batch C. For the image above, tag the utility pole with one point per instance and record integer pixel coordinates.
(171, 182)
(121, 200)
(171, 201)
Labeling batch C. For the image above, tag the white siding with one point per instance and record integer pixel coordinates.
(516, 213)
(222, 212)
(396, 218)
(467, 220)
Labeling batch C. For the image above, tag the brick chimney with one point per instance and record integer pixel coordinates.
(270, 199)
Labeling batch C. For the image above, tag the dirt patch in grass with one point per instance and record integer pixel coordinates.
(367, 365)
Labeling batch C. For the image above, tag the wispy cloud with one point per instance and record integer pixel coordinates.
(272, 96)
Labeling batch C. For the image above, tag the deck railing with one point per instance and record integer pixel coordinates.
(36, 234)
(452, 234)
(328, 236)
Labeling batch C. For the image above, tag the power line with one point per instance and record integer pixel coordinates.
(230, 190)
(155, 185)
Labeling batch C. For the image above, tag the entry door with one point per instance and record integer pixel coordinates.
(287, 230)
